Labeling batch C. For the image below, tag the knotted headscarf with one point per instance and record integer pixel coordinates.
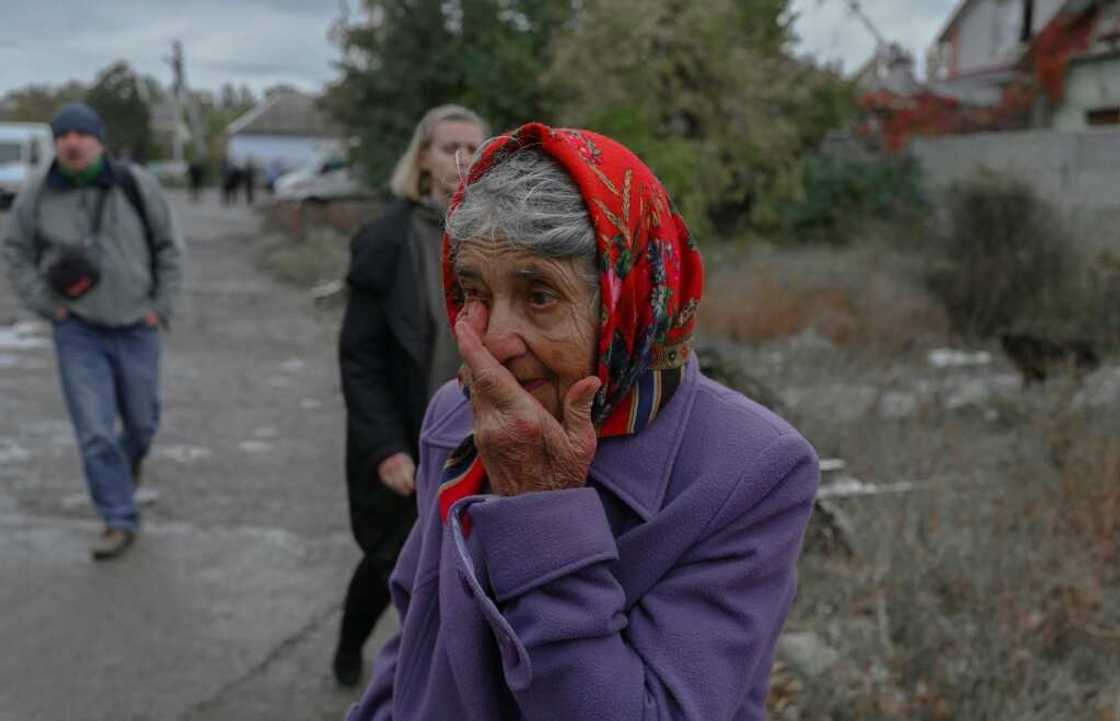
(651, 278)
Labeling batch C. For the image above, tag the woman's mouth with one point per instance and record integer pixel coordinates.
(532, 385)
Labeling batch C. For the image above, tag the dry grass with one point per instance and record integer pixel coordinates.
(308, 243)
(856, 297)
(991, 592)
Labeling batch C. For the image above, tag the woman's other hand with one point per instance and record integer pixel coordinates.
(524, 447)
(399, 473)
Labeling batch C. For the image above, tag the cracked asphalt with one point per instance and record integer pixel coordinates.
(227, 606)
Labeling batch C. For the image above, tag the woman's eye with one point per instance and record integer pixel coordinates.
(541, 298)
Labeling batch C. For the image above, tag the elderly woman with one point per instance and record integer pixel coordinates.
(604, 533)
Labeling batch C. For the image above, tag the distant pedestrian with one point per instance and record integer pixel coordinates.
(231, 180)
(195, 176)
(249, 179)
(93, 246)
(272, 174)
(396, 350)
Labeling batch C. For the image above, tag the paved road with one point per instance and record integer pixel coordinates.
(227, 606)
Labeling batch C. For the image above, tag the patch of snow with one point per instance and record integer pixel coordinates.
(807, 653)
(950, 358)
(293, 365)
(898, 404)
(182, 453)
(846, 487)
(1100, 389)
(254, 446)
(22, 336)
(12, 452)
(964, 391)
(75, 501)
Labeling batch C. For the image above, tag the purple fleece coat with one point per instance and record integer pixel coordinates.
(657, 591)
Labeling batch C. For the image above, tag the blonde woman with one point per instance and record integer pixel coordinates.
(395, 351)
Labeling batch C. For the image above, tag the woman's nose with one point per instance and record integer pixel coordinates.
(502, 337)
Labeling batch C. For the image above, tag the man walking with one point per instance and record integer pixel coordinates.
(93, 246)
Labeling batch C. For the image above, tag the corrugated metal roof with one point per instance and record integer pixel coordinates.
(285, 112)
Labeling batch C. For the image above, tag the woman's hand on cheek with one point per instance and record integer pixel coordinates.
(524, 448)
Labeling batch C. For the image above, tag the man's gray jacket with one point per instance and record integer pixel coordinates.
(52, 213)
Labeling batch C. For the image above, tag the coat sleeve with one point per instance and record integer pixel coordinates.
(374, 416)
(572, 646)
(21, 256)
(377, 702)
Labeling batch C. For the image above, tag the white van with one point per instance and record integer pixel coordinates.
(326, 177)
(24, 148)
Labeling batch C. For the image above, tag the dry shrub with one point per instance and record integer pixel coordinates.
(839, 295)
(299, 219)
(764, 310)
(1002, 260)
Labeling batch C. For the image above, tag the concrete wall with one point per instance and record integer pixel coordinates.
(1077, 170)
(1091, 83)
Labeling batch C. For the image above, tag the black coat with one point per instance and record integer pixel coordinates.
(384, 355)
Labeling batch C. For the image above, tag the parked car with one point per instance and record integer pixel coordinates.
(327, 177)
(24, 148)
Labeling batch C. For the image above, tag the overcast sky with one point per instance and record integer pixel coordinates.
(262, 42)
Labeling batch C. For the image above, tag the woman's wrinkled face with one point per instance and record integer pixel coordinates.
(450, 138)
(541, 316)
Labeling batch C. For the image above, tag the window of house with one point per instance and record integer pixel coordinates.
(1027, 31)
(1103, 116)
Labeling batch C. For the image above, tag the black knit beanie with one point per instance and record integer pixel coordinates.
(78, 117)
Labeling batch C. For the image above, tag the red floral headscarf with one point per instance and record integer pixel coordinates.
(651, 280)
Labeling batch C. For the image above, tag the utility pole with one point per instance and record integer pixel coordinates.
(175, 60)
(181, 100)
(856, 9)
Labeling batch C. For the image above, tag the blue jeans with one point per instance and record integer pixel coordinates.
(109, 374)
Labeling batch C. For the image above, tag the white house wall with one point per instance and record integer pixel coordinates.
(290, 151)
(1089, 85)
(988, 33)
(975, 32)
(1044, 12)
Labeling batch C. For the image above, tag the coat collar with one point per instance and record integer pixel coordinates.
(58, 180)
(635, 468)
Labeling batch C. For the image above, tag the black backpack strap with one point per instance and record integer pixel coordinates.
(127, 181)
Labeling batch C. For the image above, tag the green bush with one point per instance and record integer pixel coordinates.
(839, 193)
(1001, 260)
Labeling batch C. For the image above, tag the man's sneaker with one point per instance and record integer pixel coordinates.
(111, 543)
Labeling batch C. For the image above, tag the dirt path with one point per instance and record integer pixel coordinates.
(227, 606)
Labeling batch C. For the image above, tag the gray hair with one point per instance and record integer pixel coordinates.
(528, 201)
